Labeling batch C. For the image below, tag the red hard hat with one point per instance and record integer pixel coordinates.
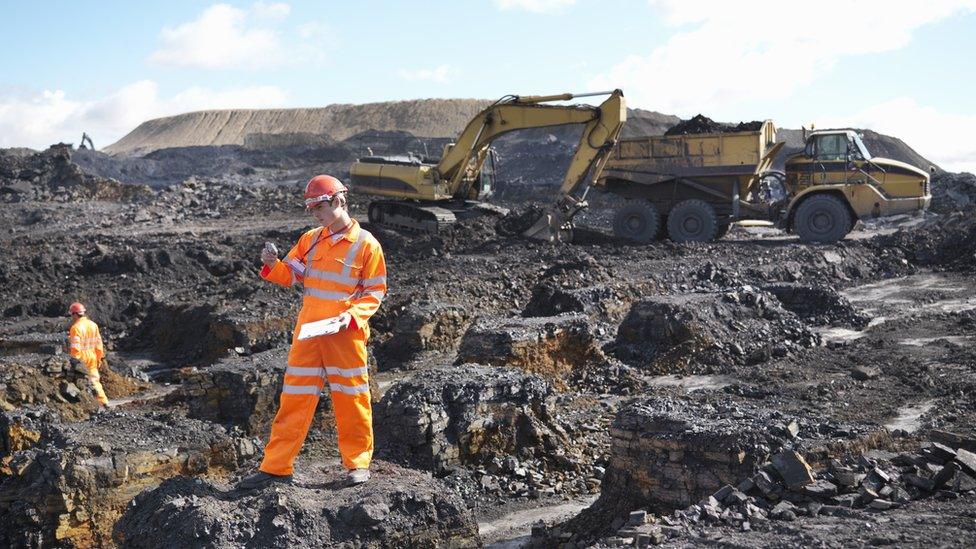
(322, 188)
(76, 308)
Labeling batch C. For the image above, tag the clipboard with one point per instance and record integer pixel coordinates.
(327, 326)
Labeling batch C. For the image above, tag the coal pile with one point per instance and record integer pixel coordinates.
(702, 124)
(423, 326)
(953, 192)
(786, 489)
(51, 176)
(502, 423)
(708, 332)
(945, 242)
(818, 305)
(668, 453)
(399, 507)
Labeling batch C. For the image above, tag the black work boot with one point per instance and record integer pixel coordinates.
(260, 479)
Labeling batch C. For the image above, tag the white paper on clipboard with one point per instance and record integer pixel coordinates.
(318, 328)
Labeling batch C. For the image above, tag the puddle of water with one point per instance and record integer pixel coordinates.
(837, 334)
(519, 524)
(923, 341)
(909, 418)
(692, 382)
(890, 292)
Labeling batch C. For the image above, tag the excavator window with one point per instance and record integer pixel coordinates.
(486, 180)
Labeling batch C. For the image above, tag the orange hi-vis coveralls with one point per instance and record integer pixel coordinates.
(342, 273)
(85, 344)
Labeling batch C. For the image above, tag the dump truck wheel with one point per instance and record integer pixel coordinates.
(637, 220)
(692, 221)
(822, 218)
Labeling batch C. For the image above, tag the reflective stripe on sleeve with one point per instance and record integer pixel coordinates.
(353, 390)
(375, 281)
(346, 372)
(295, 265)
(300, 389)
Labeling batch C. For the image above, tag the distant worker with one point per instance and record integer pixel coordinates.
(85, 346)
(343, 272)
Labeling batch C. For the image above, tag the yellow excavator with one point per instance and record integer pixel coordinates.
(428, 197)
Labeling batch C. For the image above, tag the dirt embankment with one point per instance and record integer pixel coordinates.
(424, 117)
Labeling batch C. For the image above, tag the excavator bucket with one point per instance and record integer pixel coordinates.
(555, 224)
(547, 228)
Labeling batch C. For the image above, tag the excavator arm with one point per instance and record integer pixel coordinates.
(461, 164)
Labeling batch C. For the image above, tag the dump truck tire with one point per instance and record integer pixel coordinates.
(822, 218)
(637, 220)
(692, 221)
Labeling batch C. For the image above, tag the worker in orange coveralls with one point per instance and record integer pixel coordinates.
(343, 272)
(85, 345)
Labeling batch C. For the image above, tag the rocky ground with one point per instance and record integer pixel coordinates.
(748, 392)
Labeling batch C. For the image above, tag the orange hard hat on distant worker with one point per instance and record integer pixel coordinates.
(76, 308)
(322, 188)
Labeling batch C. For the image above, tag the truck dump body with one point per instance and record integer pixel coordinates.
(657, 159)
(721, 169)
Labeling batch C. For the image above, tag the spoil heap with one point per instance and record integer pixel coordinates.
(398, 508)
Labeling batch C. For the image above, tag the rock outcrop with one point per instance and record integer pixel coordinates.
(398, 507)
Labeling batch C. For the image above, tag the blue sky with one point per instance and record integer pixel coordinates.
(903, 68)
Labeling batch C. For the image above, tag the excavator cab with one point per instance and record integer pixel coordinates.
(486, 179)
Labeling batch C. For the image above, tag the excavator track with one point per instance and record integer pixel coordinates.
(419, 218)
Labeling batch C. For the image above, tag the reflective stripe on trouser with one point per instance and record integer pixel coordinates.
(339, 359)
(93, 376)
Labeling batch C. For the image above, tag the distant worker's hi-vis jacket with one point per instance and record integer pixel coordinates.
(85, 344)
(341, 273)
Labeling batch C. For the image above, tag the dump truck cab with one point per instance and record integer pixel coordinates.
(835, 181)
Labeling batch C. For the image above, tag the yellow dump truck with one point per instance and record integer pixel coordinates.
(693, 187)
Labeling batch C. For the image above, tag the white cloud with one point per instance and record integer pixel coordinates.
(536, 6)
(50, 116)
(440, 74)
(225, 37)
(943, 138)
(726, 52)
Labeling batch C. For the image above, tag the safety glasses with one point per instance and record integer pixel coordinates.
(316, 203)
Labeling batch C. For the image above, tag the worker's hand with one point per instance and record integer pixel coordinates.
(269, 255)
(345, 319)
